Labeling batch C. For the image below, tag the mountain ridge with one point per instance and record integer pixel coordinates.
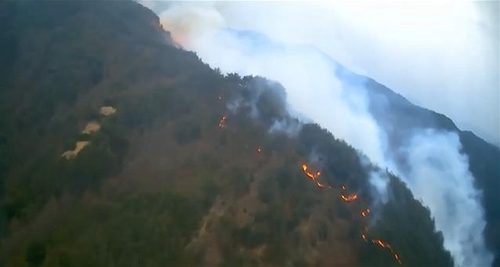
(174, 177)
(400, 119)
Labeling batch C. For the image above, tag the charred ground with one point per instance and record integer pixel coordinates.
(162, 183)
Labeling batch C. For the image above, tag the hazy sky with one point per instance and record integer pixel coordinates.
(442, 55)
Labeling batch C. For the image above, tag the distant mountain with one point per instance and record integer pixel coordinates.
(118, 148)
(399, 118)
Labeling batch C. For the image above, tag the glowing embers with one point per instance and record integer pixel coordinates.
(348, 198)
(363, 236)
(365, 213)
(383, 244)
(378, 242)
(311, 175)
(222, 122)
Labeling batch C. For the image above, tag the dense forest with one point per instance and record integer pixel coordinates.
(172, 163)
(400, 118)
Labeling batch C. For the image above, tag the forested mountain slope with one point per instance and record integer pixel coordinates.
(185, 171)
(400, 118)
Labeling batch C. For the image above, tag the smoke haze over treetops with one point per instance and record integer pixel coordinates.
(440, 56)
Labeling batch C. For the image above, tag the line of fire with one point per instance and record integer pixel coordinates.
(314, 175)
(364, 214)
(222, 122)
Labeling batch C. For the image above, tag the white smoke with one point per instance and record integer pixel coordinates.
(425, 50)
(438, 173)
(290, 127)
(439, 176)
(378, 183)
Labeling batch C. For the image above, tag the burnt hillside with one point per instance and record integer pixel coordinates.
(117, 148)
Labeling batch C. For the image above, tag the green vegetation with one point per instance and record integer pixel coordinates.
(143, 230)
(398, 227)
(160, 184)
(35, 255)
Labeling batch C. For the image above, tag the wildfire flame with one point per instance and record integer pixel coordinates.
(219, 97)
(365, 213)
(304, 167)
(383, 244)
(222, 122)
(312, 176)
(259, 149)
(349, 198)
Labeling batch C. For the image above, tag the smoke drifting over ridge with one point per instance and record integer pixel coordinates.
(436, 166)
(443, 184)
(442, 55)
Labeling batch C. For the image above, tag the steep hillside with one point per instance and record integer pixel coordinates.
(400, 118)
(172, 163)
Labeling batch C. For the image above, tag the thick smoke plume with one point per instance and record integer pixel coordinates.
(425, 50)
(437, 174)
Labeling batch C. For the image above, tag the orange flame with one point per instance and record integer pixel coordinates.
(365, 213)
(383, 244)
(312, 176)
(222, 122)
(304, 167)
(349, 198)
